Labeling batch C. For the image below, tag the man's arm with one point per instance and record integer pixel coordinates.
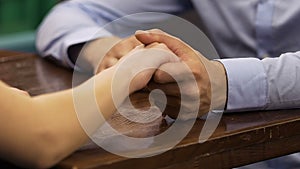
(271, 83)
(79, 21)
(209, 76)
(252, 84)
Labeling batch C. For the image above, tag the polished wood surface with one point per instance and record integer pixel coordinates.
(241, 138)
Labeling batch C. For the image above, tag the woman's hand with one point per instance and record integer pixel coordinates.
(22, 92)
(140, 64)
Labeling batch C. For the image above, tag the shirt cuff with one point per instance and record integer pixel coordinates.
(247, 84)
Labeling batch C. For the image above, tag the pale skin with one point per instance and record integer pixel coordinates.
(37, 132)
(108, 49)
(210, 75)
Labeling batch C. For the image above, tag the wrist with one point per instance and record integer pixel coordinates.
(218, 79)
(110, 91)
(91, 53)
(122, 76)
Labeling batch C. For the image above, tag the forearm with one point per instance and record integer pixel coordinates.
(271, 83)
(51, 122)
(80, 114)
(283, 81)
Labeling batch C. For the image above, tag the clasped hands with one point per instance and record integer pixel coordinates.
(210, 75)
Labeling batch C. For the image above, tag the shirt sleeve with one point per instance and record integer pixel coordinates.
(271, 83)
(79, 21)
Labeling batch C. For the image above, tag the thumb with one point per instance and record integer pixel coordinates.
(155, 35)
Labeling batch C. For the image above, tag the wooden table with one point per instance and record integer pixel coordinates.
(240, 139)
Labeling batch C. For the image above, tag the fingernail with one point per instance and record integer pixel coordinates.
(141, 32)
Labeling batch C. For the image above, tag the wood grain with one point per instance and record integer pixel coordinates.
(241, 138)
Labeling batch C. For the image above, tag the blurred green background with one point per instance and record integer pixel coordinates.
(19, 20)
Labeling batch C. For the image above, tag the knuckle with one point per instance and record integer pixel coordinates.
(159, 77)
(156, 30)
(190, 90)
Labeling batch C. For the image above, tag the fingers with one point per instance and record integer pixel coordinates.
(123, 47)
(119, 50)
(160, 50)
(169, 72)
(142, 63)
(170, 89)
(107, 63)
(157, 45)
(146, 37)
(187, 89)
(22, 92)
(174, 44)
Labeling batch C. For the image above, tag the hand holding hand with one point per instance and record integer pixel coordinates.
(140, 64)
(210, 75)
(102, 53)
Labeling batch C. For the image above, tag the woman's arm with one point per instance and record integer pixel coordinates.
(40, 131)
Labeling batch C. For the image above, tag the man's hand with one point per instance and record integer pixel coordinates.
(210, 76)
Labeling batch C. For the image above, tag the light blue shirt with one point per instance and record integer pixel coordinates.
(256, 31)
